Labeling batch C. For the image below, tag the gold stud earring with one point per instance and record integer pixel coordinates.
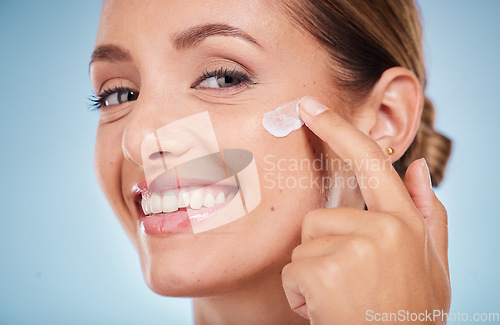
(390, 151)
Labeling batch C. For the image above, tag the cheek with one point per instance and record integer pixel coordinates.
(287, 166)
(107, 158)
(108, 164)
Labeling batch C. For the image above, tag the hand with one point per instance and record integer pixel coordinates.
(392, 257)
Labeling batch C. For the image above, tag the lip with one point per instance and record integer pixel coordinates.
(182, 219)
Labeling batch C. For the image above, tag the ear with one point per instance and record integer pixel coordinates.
(391, 114)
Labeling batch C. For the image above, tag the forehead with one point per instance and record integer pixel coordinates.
(150, 19)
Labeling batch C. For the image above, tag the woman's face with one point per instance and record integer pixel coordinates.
(166, 52)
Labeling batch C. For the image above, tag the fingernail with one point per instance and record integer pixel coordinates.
(425, 170)
(311, 106)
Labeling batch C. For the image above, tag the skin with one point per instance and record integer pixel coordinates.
(245, 272)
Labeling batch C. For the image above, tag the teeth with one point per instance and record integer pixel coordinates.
(183, 200)
(156, 203)
(221, 198)
(196, 200)
(172, 200)
(144, 204)
(209, 200)
(148, 205)
(169, 202)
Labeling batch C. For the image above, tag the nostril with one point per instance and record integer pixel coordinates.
(158, 155)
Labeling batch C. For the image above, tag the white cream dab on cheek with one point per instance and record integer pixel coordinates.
(283, 120)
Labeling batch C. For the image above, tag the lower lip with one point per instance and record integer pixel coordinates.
(176, 222)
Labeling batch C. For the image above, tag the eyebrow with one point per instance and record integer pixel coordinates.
(110, 53)
(181, 41)
(194, 35)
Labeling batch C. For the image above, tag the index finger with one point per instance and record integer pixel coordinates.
(379, 182)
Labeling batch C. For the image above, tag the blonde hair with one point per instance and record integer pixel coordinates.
(365, 38)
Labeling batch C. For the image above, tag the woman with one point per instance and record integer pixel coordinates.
(332, 253)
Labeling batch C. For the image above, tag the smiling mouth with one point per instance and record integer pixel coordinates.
(199, 195)
(180, 209)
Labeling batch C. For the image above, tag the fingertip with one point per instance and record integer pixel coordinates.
(418, 173)
(310, 107)
(417, 182)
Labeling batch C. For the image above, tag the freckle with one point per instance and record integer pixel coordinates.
(272, 208)
(198, 280)
(281, 190)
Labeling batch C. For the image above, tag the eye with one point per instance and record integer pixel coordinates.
(114, 96)
(120, 97)
(222, 78)
(218, 82)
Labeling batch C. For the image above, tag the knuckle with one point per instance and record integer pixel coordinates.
(392, 228)
(363, 247)
(309, 222)
(287, 272)
(396, 230)
(297, 253)
(330, 269)
(308, 219)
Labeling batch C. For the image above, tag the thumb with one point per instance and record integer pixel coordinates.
(418, 184)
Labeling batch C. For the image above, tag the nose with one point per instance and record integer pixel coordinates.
(158, 137)
(146, 141)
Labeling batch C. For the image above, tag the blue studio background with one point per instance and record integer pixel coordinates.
(64, 258)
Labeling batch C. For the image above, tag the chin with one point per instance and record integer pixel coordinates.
(203, 265)
(191, 280)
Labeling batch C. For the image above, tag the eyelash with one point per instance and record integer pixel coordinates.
(97, 100)
(224, 72)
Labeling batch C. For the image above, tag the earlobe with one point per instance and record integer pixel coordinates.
(391, 115)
